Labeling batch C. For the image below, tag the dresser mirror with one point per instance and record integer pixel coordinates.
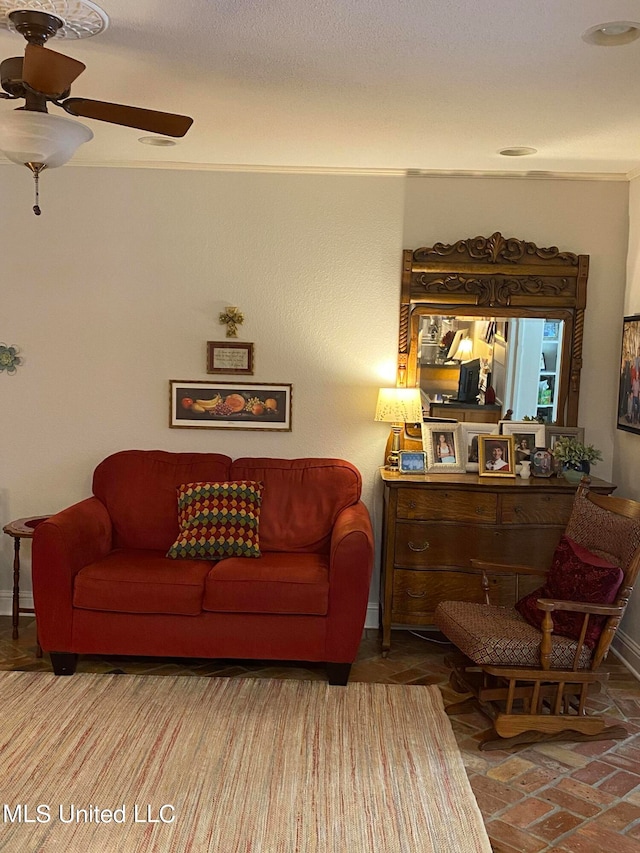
(493, 315)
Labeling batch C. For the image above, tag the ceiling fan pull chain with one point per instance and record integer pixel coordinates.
(36, 168)
(36, 206)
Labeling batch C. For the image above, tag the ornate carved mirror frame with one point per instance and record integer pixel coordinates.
(504, 277)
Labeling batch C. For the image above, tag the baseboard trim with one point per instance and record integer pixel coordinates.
(372, 619)
(6, 601)
(628, 652)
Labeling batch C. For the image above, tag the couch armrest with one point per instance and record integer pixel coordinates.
(63, 545)
(350, 568)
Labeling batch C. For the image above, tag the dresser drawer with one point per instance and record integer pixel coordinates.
(536, 509)
(449, 505)
(417, 594)
(424, 545)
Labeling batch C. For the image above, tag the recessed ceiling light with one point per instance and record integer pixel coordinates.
(160, 141)
(613, 33)
(518, 151)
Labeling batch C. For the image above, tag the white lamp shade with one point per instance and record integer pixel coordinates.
(464, 351)
(399, 405)
(33, 137)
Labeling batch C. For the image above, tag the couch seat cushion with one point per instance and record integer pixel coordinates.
(276, 582)
(134, 581)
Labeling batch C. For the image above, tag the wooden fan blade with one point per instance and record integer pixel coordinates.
(49, 72)
(167, 124)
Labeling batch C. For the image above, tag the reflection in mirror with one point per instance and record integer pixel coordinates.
(519, 359)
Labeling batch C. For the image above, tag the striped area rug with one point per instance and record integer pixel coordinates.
(176, 763)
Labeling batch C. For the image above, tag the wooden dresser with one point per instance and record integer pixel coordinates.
(434, 524)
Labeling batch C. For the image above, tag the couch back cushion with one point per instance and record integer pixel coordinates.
(301, 499)
(139, 490)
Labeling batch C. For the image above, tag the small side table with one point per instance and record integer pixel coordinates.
(21, 528)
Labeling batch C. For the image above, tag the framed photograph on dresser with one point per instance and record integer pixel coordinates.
(496, 456)
(553, 433)
(527, 435)
(412, 462)
(470, 432)
(442, 442)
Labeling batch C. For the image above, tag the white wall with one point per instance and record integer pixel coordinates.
(115, 289)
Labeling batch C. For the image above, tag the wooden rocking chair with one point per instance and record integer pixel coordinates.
(533, 683)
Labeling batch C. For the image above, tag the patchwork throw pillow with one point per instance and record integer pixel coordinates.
(576, 574)
(218, 520)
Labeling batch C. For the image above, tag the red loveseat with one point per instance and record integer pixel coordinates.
(103, 585)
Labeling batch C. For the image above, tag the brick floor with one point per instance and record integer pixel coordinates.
(544, 798)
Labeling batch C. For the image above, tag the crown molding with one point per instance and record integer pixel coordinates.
(349, 171)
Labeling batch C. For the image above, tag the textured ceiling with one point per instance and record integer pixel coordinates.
(429, 85)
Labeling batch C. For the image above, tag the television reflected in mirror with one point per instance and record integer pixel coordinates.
(469, 381)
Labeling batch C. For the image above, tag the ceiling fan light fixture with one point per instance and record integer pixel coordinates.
(34, 137)
(612, 34)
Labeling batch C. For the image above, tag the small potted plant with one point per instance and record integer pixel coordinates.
(575, 457)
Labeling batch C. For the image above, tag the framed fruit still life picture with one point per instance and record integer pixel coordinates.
(229, 405)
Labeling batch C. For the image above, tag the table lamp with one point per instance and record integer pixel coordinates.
(464, 350)
(398, 406)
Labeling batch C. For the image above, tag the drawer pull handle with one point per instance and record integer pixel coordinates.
(518, 508)
(416, 594)
(479, 510)
(413, 547)
(412, 504)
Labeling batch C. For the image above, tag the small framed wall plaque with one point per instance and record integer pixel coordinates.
(230, 357)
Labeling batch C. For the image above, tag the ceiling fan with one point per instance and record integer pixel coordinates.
(30, 135)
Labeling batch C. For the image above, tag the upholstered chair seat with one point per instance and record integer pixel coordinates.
(499, 636)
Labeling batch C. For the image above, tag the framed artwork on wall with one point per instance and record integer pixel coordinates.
(229, 405)
(443, 445)
(496, 456)
(629, 388)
